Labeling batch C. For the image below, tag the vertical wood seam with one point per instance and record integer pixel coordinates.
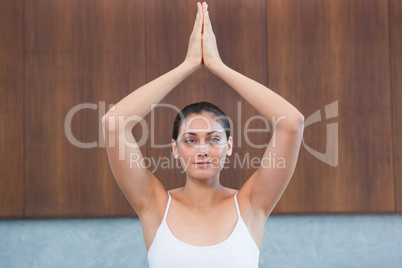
(267, 39)
(145, 42)
(393, 159)
(24, 171)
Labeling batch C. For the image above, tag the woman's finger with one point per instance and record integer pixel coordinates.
(207, 21)
(198, 20)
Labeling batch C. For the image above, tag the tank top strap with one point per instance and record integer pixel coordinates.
(237, 205)
(167, 208)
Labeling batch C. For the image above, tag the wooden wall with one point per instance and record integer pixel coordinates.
(338, 61)
(395, 15)
(12, 157)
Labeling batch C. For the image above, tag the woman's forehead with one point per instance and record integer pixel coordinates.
(199, 123)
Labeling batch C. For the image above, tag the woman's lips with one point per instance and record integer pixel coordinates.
(202, 164)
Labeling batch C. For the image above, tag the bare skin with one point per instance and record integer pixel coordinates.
(203, 212)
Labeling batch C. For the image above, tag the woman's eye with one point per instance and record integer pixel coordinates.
(189, 141)
(214, 139)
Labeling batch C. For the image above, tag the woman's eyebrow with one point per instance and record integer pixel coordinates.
(191, 133)
(209, 133)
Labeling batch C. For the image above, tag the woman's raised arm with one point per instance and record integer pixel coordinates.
(138, 184)
(267, 184)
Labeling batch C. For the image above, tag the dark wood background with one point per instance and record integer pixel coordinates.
(57, 54)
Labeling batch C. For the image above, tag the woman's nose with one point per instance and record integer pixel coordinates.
(202, 153)
(203, 150)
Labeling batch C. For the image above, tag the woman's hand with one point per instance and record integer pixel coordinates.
(210, 54)
(194, 52)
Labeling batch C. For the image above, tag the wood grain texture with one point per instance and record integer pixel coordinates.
(325, 51)
(395, 18)
(77, 53)
(240, 31)
(11, 109)
(55, 55)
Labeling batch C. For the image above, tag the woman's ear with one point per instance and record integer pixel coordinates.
(174, 149)
(230, 146)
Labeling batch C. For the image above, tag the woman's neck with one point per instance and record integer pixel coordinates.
(202, 193)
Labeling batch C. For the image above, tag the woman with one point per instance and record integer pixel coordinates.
(203, 224)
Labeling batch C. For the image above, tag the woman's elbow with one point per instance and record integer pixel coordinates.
(106, 123)
(295, 123)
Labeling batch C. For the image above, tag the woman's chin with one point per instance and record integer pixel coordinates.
(203, 174)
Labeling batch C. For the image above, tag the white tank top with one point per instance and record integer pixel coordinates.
(239, 250)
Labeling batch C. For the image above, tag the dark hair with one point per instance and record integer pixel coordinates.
(198, 108)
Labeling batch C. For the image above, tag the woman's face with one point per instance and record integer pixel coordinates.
(202, 146)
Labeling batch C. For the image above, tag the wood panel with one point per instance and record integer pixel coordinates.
(77, 52)
(240, 30)
(59, 54)
(325, 51)
(11, 110)
(395, 18)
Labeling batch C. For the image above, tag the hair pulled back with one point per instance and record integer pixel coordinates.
(198, 108)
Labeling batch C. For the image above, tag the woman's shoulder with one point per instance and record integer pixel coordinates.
(175, 191)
